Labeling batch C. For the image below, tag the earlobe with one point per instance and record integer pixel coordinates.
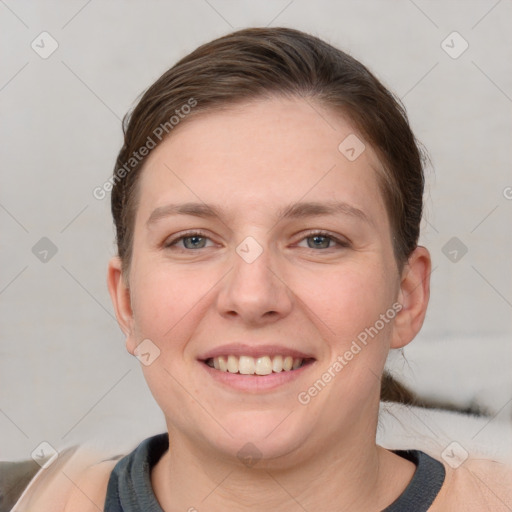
(120, 295)
(414, 295)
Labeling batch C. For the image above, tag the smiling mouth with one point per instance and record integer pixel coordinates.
(265, 365)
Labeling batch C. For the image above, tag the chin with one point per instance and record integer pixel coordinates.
(265, 438)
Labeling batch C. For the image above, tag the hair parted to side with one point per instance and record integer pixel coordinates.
(258, 63)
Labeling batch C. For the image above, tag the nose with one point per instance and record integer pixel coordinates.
(254, 291)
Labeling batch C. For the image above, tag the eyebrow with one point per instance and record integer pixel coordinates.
(293, 211)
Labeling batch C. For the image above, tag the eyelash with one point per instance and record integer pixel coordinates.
(190, 234)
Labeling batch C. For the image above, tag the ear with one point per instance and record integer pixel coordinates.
(413, 296)
(121, 300)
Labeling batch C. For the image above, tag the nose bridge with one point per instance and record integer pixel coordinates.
(252, 260)
(252, 290)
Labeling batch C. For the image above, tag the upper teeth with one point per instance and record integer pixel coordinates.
(248, 365)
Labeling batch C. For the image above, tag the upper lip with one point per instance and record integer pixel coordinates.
(238, 349)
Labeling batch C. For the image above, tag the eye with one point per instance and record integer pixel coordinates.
(323, 239)
(191, 240)
(194, 240)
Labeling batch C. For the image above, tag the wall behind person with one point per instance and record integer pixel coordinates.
(70, 72)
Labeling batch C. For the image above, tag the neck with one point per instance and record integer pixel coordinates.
(356, 476)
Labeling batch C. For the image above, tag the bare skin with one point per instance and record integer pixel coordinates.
(253, 161)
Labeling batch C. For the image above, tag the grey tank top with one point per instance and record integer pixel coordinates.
(129, 486)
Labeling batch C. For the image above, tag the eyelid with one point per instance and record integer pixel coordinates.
(340, 241)
(192, 232)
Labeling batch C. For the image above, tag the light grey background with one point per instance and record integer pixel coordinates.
(65, 374)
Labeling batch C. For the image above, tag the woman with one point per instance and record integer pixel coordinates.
(267, 203)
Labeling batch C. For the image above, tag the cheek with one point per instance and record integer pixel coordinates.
(357, 306)
(348, 299)
(163, 299)
(167, 305)
(343, 300)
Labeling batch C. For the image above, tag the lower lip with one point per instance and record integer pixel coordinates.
(256, 383)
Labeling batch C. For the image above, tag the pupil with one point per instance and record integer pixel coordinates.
(194, 240)
(316, 238)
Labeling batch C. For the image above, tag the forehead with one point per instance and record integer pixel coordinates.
(261, 153)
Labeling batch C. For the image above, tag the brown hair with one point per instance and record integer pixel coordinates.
(257, 63)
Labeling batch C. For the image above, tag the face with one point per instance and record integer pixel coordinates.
(286, 258)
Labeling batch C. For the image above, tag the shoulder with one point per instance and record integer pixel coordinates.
(90, 489)
(478, 484)
(75, 482)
